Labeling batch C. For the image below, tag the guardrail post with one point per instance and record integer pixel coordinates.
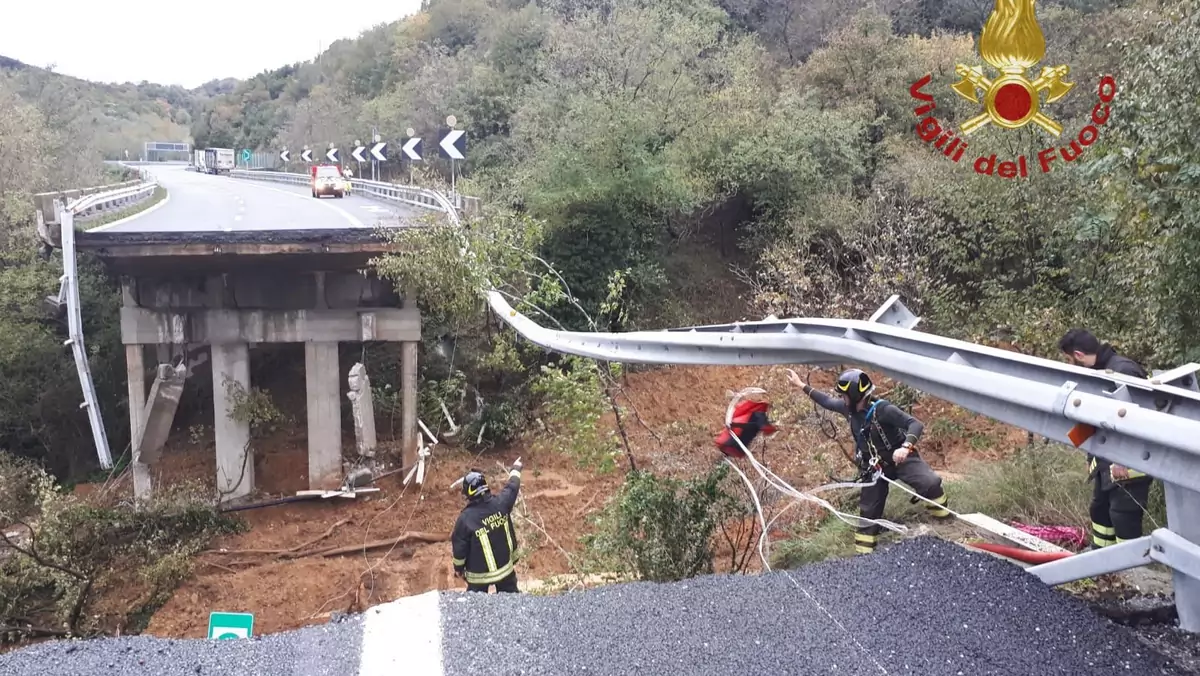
(1183, 506)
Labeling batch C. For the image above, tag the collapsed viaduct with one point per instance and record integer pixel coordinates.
(224, 265)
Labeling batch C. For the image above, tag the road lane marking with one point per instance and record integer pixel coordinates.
(139, 214)
(404, 636)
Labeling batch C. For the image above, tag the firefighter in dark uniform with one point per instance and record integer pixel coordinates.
(484, 541)
(1119, 494)
(883, 437)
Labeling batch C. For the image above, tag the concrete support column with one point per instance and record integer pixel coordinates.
(324, 416)
(408, 403)
(135, 373)
(235, 460)
(1182, 507)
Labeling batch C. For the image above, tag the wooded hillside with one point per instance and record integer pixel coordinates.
(98, 118)
(782, 131)
(688, 161)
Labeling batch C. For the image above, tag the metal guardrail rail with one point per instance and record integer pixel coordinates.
(87, 203)
(405, 194)
(68, 293)
(1152, 425)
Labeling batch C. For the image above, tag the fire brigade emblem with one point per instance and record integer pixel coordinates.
(1012, 43)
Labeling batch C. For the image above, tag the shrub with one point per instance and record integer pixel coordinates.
(660, 528)
(71, 548)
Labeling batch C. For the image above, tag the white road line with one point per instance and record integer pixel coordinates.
(348, 216)
(403, 637)
(130, 218)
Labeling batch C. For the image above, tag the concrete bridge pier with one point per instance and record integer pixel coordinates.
(235, 457)
(324, 415)
(228, 292)
(135, 371)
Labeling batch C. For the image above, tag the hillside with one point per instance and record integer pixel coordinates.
(642, 164)
(108, 118)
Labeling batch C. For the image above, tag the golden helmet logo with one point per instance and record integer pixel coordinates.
(1012, 43)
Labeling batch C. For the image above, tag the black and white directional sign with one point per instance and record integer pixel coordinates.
(412, 149)
(332, 155)
(285, 155)
(379, 152)
(357, 154)
(454, 144)
(306, 155)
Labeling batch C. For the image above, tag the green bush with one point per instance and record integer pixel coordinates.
(661, 529)
(77, 547)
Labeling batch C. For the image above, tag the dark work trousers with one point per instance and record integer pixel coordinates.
(1117, 509)
(919, 476)
(508, 584)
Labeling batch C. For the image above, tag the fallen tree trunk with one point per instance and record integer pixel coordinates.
(428, 538)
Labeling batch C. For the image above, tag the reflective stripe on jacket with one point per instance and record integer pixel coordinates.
(484, 541)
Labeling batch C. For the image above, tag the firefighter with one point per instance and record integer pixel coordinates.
(883, 437)
(1119, 494)
(484, 542)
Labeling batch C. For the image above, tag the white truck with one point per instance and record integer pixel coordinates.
(198, 160)
(218, 160)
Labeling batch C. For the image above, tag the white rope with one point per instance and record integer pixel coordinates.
(787, 489)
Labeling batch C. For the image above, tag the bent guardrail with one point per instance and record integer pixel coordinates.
(390, 192)
(1151, 425)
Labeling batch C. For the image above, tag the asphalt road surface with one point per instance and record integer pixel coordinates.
(923, 607)
(204, 202)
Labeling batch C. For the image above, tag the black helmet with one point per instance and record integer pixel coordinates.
(474, 485)
(855, 384)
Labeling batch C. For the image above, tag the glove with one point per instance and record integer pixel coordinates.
(901, 454)
(516, 467)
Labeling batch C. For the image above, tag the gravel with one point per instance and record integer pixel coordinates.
(331, 649)
(923, 606)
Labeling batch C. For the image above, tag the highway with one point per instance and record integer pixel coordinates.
(206, 203)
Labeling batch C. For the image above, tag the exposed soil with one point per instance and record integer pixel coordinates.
(672, 415)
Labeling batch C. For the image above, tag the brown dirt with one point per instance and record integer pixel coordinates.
(678, 412)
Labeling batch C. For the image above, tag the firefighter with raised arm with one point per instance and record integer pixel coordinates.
(1119, 494)
(484, 541)
(883, 439)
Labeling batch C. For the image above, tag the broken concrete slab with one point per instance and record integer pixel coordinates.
(363, 410)
(160, 412)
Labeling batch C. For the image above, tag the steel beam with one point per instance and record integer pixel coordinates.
(1039, 395)
(1152, 425)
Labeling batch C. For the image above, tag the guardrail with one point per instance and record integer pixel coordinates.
(390, 192)
(87, 203)
(1151, 425)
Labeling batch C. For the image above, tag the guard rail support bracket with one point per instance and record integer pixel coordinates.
(1110, 559)
(1175, 552)
(895, 313)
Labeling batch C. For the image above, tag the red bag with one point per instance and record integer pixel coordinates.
(749, 420)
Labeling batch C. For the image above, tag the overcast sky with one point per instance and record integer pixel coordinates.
(176, 42)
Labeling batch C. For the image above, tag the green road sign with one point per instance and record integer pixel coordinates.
(246, 154)
(230, 625)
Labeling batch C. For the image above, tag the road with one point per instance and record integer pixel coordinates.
(203, 202)
(922, 607)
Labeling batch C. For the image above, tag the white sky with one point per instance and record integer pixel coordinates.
(196, 41)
